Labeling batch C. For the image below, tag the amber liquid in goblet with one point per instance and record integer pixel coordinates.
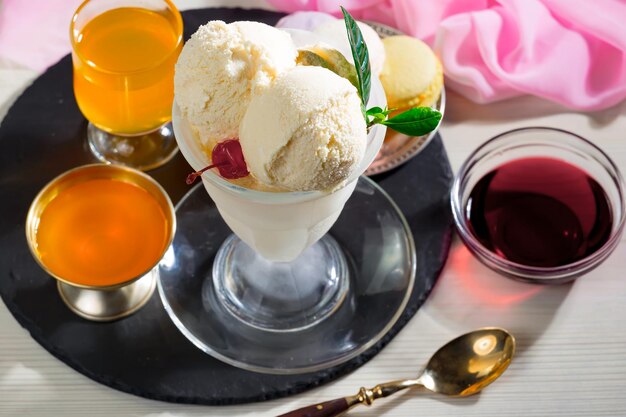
(102, 232)
(124, 69)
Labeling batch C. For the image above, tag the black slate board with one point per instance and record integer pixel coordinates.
(43, 135)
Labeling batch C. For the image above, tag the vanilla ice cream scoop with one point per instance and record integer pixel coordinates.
(305, 132)
(221, 67)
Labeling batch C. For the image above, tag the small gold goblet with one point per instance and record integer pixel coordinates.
(100, 231)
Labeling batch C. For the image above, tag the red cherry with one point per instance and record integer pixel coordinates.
(228, 158)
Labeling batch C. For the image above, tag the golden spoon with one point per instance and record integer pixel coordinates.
(462, 367)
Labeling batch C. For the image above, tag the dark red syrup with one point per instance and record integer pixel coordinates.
(539, 212)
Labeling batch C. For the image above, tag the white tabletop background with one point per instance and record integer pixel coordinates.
(571, 358)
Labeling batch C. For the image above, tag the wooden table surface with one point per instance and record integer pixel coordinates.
(571, 358)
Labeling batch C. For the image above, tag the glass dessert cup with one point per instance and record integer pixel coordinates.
(280, 295)
(90, 300)
(125, 93)
(539, 142)
(254, 270)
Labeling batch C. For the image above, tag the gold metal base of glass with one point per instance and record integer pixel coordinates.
(110, 304)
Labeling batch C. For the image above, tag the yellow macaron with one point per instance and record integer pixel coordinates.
(412, 75)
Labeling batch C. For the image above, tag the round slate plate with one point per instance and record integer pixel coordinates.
(43, 135)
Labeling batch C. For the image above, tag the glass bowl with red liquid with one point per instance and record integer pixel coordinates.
(539, 204)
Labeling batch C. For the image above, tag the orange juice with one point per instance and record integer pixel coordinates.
(101, 232)
(124, 69)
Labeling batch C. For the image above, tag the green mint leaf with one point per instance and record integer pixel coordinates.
(377, 118)
(374, 110)
(415, 122)
(360, 55)
(378, 115)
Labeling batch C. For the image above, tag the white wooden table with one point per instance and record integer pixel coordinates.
(571, 357)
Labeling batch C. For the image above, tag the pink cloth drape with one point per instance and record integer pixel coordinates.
(570, 51)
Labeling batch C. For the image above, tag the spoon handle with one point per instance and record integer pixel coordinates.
(365, 396)
(330, 408)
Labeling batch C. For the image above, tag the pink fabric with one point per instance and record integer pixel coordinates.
(570, 51)
(35, 33)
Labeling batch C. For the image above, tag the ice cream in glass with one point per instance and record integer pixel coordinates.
(242, 96)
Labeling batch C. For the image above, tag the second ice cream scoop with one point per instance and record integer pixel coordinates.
(305, 132)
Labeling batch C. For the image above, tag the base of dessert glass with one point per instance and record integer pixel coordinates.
(109, 304)
(280, 296)
(373, 238)
(144, 151)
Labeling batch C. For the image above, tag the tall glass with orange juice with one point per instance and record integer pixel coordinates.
(124, 53)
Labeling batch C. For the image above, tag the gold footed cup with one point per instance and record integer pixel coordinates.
(86, 299)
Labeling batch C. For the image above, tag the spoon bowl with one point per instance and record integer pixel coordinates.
(467, 364)
(462, 367)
